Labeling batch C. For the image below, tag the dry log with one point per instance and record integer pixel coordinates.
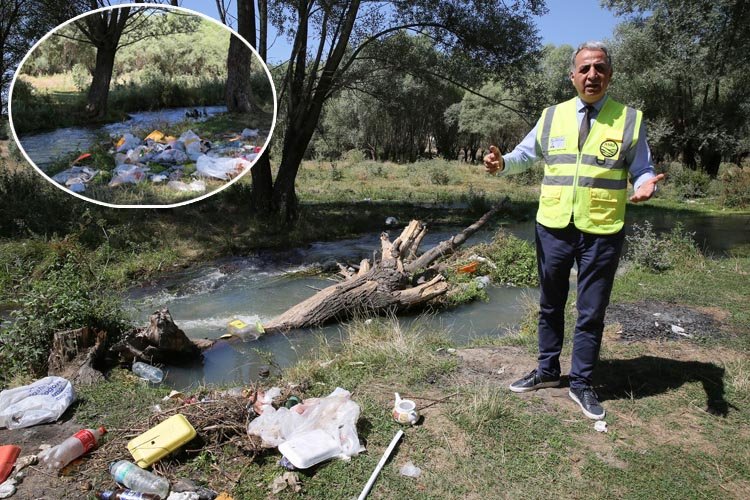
(386, 285)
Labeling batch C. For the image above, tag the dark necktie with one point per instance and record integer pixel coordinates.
(583, 132)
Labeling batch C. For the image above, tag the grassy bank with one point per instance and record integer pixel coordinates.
(478, 440)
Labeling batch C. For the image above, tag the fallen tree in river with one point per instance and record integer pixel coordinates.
(401, 279)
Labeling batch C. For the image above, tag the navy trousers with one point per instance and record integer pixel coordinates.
(597, 257)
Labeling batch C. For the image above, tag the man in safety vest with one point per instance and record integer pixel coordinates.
(589, 144)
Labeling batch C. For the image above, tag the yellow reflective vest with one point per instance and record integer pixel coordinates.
(591, 184)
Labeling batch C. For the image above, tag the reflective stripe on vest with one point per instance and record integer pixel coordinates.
(590, 184)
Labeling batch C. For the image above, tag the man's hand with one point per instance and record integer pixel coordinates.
(493, 162)
(646, 190)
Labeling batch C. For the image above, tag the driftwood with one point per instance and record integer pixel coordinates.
(161, 342)
(380, 286)
(77, 355)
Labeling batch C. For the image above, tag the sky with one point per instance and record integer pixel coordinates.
(568, 22)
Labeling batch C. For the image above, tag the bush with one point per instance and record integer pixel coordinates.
(439, 176)
(531, 177)
(512, 261)
(688, 183)
(68, 295)
(659, 253)
(735, 187)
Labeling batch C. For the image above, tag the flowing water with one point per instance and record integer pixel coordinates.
(44, 148)
(203, 300)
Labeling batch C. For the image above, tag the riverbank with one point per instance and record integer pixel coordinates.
(476, 440)
(677, 410)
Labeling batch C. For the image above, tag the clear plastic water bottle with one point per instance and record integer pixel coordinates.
(150, 373)
(78, 444)
(131, 476)
(125, 494)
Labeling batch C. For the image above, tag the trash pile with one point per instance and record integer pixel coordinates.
(306, 432)
(160, 158)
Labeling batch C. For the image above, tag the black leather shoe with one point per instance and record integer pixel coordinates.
(532, 382)
(588, 401)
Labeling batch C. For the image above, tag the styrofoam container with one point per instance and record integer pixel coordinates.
(161, 440)
(309, 448)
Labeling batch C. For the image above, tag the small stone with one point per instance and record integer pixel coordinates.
(600, 426)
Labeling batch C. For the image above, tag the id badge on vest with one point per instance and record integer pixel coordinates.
(556, 143)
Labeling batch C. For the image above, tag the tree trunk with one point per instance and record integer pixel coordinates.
(385, 286)
(238, 92)
(96, 102)
(261, 198)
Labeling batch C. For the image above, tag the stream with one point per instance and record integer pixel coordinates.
(204, 299)
(46, 147)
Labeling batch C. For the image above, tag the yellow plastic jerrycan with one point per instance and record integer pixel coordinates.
(161, 440)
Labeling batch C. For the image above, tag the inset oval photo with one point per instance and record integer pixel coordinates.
(142, 106)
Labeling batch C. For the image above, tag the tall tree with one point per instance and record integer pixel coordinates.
(686, 64)
(329, 37)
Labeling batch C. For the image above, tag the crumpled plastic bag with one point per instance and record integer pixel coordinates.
(75, 178)
(195, 186)
(335, 415)
(171, 156)
(43, 401)
(250, 132)
(127, 142)
(128, 174)
(220, 168)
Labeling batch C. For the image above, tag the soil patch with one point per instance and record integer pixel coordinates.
(658, 320)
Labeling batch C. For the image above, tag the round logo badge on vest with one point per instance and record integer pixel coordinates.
(609, 148)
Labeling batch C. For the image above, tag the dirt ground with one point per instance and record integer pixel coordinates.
(682, 359)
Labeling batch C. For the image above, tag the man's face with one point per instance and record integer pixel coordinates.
(591, 75)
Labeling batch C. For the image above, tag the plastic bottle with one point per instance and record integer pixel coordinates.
(125, 494)
(78, 444)
(150, 373)
(131, 476)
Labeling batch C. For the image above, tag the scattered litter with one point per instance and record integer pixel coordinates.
(8, 488)
(127, 174)
(250, 133)
(380, 465)
(43, 401)
(264, 400)
(220, 168)
(80, 443)
(600, 426)
(391, 221)
(312, 431)
(287, 479)
(148, 372)
(368, 321)
(405, 411)
(127, 142)
(410, 470)
(482, 281)
(183, 495)
(678, 330)
(75, 178)
(173, 394)
(133, 477)
(194, 187)
(469, 268)
(451, 350)
(8, 455)
(161, 440)
(25, 461)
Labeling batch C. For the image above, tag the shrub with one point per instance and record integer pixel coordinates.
(688, 183)
(439, 176)
(659, 253)
(511, 260)
(531, 177)
(735, 187)
(67, 295)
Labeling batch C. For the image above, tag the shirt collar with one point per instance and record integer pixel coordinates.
(580, 105)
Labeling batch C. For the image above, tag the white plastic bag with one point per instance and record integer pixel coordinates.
(195, 186)
(43, 401)
(335, 415)
(128, 174)
(129, 141)
(220, 168)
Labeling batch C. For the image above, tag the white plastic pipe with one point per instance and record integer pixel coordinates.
(380, 465)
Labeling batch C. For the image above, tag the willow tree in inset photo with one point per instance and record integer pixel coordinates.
(111, 30)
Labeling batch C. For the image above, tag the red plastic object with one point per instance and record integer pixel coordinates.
(8, 456)
(469, 268)
(257, 149)
(82, 157)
